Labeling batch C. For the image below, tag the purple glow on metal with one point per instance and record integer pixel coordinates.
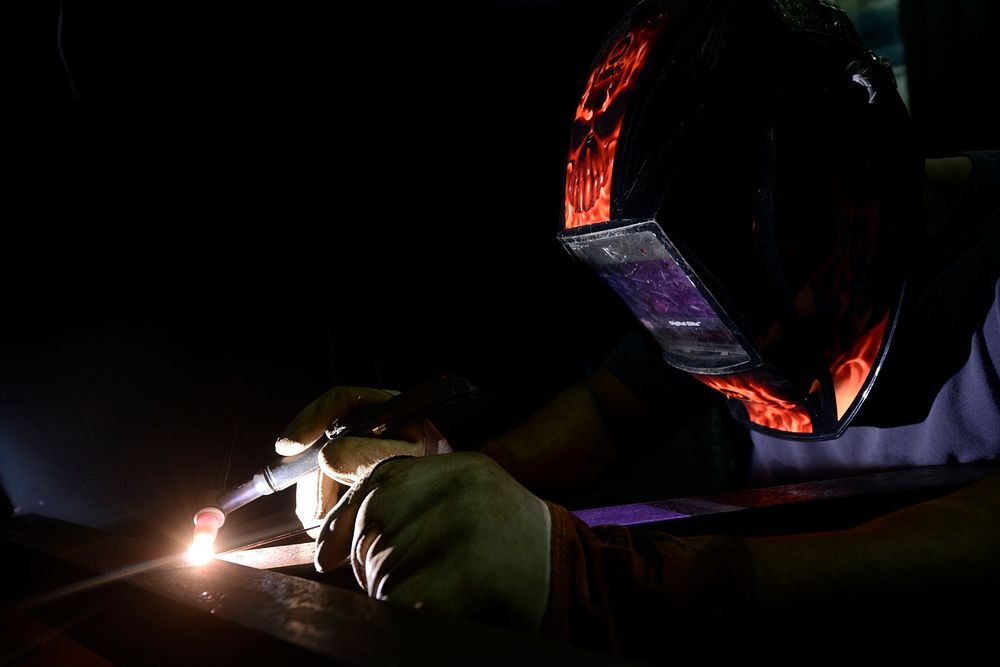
(627, 515)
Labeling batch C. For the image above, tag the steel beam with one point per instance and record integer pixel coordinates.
(878, 492)
(287, 616)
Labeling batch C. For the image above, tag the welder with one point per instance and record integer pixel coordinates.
(745, 177)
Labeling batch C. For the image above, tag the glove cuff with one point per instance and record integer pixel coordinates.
(613, 586)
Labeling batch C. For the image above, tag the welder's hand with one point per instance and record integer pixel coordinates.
(452, 533)
(350, 460)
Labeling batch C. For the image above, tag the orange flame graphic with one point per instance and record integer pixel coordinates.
(763, 406)
(766, 408)
(598, 122)
(851, 369)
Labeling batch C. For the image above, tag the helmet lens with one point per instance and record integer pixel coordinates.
(641, 265)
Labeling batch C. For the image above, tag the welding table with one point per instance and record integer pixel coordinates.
(229, 612)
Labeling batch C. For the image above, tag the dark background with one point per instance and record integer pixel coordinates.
(214, 211)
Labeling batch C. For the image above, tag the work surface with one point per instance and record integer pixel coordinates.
(128, 604)
(83, 596)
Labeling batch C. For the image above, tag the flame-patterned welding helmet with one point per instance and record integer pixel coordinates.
(740, 173)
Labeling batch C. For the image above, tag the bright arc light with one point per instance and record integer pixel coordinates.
(207, 522)
(202, 549)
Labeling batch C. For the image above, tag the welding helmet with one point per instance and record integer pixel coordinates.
(741, 173)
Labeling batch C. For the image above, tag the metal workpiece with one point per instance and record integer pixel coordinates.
(806, 505)
(164, 611)
(271, 558)
(133, 602)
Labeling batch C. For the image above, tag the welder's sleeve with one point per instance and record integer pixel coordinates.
(632, 589)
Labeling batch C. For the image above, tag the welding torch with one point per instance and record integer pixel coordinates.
(374, 421)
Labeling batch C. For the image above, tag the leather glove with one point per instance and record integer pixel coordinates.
(452, 533)
(343, 461)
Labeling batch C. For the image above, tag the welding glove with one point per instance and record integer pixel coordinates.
(349, 460)
(452, 533)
